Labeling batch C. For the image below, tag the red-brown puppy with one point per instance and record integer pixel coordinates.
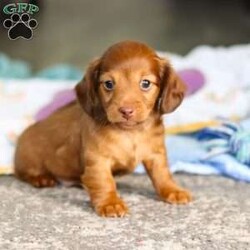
(115, 124)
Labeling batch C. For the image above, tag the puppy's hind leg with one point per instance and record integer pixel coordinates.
(30, 169)
(39, 181)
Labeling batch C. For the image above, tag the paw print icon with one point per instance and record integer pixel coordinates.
(20, 26)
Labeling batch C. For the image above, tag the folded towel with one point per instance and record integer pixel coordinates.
(228, 138)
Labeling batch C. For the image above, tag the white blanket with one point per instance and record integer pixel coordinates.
(227, 90)
(19, 102)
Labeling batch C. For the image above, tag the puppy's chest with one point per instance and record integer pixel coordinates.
(128, 151)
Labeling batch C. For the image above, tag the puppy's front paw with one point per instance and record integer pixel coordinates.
(112, 208)
(176, 196)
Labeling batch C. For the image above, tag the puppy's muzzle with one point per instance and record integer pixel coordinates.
(127, 112)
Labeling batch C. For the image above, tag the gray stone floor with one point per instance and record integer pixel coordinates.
(61, 218)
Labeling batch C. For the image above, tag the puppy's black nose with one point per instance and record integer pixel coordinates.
(126, 112)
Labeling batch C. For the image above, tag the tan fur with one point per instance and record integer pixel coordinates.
(90, 140)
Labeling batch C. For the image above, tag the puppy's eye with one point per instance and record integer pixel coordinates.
(108, 85)
(145, 85)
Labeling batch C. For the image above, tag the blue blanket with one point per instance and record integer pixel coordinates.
(187, 154)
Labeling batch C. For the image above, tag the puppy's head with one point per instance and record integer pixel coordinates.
(127, 84)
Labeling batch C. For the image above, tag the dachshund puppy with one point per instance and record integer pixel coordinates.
(115, 124)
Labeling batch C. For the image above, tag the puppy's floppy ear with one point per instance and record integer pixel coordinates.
(172, 89)
(87, 89)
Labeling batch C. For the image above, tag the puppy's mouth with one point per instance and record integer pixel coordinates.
(128, 124)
